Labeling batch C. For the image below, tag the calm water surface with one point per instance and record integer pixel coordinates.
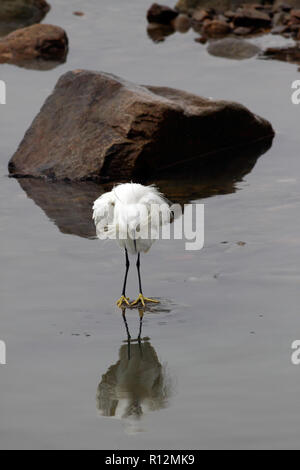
(214, 369)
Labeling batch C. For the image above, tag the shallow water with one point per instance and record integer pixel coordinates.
(216, 353)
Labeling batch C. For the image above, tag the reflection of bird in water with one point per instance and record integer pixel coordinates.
(133, 215)
(136, 384)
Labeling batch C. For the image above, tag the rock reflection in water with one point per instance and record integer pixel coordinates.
(20, 14)
(216, 175)
(69, 205)
(159, 32)
(39, 64)
(285, 54)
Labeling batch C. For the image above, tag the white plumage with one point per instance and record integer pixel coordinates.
(133, 215)
(128, 211)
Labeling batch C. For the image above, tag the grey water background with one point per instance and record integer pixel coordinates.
(229, 313)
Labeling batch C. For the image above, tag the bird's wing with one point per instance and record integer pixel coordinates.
(103, 214)
(158, 208)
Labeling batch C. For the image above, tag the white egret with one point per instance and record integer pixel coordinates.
(133, 215)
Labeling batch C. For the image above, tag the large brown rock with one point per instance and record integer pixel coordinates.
(16, 14)
(39, 41)
(96, 126)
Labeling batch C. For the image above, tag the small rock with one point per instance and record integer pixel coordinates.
(39, 41)
(15, 14)
(293, 28)
(182, 23)
(23, 10)
(293, 20)
(202, 39)
(242, 31)
(200, 15)
(222, 17)
(78, 13)
(279, 30)
(250, 17)
(161, 14)
(187, 6)
(279, 19)
(232, 48)
(295, 14)
(282, 7)
(229, 14)
(216, 28)
(198, 26)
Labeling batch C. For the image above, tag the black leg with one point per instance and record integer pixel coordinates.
(123, 299)
(126, 274)
(138, 265)
(141, 299)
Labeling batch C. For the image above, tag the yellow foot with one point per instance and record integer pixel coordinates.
(141, 299)
(123, 301)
